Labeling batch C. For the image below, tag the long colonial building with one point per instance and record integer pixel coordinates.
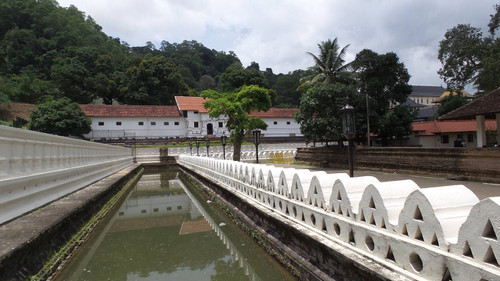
(188, 118)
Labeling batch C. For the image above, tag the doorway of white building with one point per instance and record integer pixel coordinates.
(210, 129)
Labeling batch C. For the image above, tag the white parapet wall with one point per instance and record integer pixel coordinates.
(37, 168)
(439, 233)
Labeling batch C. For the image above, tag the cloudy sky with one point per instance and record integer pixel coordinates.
(278, 33)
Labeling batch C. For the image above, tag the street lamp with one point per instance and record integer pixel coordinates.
(197, 147)
(207, 143)
(191, 147)
(223, 139)
(349, 130)
(256, 140)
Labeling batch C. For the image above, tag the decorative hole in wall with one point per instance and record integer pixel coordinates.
(351, 237)
(467, 251)
(434, 240)
(447, 275)
(418, 214)
(362, 216)
(323, 226)
(418, 234)
(286, 211)
(294, 210)
(390, 255)
(339, 196)
(416, 262)
(315, 191)
(280, 205)
(372, 203)
(372, 220)
(490, 258)
(336, 228)
(313, 219)
(303, 218)
(405, 231)
(489, 231)
(369, 243)
(340, 210)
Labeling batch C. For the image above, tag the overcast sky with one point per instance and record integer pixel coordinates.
(278, 33)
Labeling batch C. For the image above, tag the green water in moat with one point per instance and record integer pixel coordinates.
(166, 230)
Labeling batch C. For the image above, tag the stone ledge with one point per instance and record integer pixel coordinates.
(28, 241)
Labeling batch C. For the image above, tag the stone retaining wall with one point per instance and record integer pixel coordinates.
(472, 163)
(391, 230)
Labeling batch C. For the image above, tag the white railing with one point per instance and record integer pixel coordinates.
(440, 233)
(37, 168)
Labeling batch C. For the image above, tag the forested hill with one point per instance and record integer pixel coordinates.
(50, 51)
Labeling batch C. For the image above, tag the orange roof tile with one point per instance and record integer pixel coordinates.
(93, 110)
(276, 113)
(191, 103)
(445, 127)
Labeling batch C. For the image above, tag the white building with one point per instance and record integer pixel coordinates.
(188, 118)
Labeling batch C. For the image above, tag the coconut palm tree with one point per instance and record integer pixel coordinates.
(329, 66)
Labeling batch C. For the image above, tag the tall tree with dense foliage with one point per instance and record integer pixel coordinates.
(451, 103)
(385, 80)
(319, 117)
(154, 81)
(60, 117)
(469, 57)
(330, 65)
(237, 106)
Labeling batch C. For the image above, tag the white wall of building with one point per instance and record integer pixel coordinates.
(281, 127)
(138, 127)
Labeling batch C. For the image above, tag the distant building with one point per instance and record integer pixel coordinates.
(425, 95)
(188, 118)
(447, 133)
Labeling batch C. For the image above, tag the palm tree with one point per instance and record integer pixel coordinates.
(330, 65)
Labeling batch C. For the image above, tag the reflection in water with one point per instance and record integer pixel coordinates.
(162, 232)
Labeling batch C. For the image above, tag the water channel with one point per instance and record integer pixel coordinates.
(165, 230)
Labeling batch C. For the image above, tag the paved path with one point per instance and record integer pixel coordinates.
(482, 190)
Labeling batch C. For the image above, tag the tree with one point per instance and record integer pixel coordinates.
(396, 123)
(384, 79)
(319, 116)
(60, 117)
(451, 103)
(460, 54)
(237, 106)
(236, 77)
(330, 65)
(286, 86)
(154, 81)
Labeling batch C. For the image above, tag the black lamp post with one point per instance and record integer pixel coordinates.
(207, 143)
(256, 140)
(223, 139)
(349, 130)
(197, 147)
(191, 147)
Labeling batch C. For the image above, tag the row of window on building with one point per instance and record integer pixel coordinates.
(140, 123)
(176, 123)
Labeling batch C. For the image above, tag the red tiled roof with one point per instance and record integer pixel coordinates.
(276, 112)
(445, 127)
(93, 110)
(196, 104)
(191, 103)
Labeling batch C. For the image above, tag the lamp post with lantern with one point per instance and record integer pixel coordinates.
(197, 147)
(223, 140)
(349, 130)
(207, 143)
(191, 147)
(256, 140)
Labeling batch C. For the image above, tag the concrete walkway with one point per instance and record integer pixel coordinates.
(482, 190)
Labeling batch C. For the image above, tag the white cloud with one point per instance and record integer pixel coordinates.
(278, 33)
